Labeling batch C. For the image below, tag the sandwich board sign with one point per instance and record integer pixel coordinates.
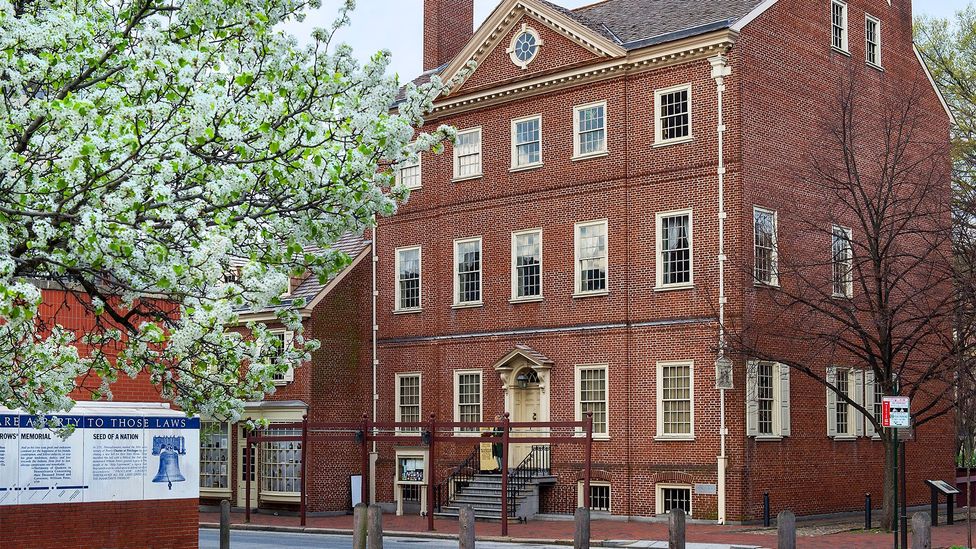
(896, 412)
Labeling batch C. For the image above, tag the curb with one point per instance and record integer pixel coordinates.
(418, 535)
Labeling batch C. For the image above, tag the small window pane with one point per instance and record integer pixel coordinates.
(677, 498)
(591, 122)
(592, 257)
(469, 271)
(839, 25)
(409, 401)
(765, 241)
(410, 175)
(600, 498)
(528, 144)
(674, 115)
(469, 398)
(764, 378)
(467, 152)
(409, 278)
(676, 399)
(873, 38)
(676, 249)
(843, 415)
(842, 262)
(593, 397)
(528, 264)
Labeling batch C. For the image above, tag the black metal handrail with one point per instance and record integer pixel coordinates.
(537, 463)
(463, 473)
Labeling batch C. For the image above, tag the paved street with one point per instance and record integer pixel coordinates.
(209, 539)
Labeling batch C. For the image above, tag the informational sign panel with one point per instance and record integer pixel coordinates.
(896, 412)
(120, 452)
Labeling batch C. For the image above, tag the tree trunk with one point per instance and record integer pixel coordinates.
(889, 507)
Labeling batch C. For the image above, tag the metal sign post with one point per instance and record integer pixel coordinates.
(896, 414)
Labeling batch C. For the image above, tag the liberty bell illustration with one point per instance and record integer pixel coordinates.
(169, 449)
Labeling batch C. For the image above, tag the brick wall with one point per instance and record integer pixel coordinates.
(164, 524)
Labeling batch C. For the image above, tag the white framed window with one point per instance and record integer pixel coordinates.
(408, 399)
(672, 496)
(281, 463)
(765, 248)
(524, 46)
(467, 272)
(842, 262)
(467, 154)
(672, 114)
(285, 340)
(214, 456)
(767, 400)
(467, 397)
(674, 244)
(873, 397)
(527, 265)
(843, 420)
(599, 495)
(590, 129)
(591, 257)
(408, 286)
(592, 396)
(527, 142)
(676, 400)
(408, 174)
(872, 40)
(838, 25)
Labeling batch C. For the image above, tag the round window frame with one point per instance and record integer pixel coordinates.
(513, 54)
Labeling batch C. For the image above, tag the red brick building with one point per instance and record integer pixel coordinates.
(564, 256)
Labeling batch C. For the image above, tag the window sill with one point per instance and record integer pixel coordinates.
(840, 51)
(408, 311)
(590, 156)
(214, 493)
(283, 383)
(596, 437)
(286, 497)
(467, 178)
(533, 299)
(525, 168)
(470, 305)
(840, 296)
(471, 434)
(878, 68)
(658, 144)
(845, 438)
(581, 295)
(768, 438)
(674, 438)
(674, 287)
(770, 285)
(414, 188)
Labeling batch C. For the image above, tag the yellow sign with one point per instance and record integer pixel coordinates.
(487, 462)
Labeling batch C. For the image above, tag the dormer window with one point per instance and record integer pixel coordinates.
(525, 46)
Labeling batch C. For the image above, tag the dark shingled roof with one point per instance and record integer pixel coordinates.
(639, 23)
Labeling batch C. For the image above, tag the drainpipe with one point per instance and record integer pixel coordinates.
(721, 70)
(376, 361)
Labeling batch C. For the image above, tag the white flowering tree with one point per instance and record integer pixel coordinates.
(147, 147)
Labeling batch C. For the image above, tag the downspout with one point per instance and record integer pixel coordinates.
(376, 361)
(721, 70)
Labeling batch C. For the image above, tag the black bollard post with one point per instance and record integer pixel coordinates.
(867, 511)
(766, 509)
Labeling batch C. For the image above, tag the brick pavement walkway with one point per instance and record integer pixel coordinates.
(812, 535)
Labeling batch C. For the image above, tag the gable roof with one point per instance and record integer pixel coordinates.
(639, 23)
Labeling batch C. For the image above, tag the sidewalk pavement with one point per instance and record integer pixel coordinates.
(610, 533)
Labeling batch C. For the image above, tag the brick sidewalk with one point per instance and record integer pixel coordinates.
(602, 530)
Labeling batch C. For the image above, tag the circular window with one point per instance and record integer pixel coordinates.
(525, 46)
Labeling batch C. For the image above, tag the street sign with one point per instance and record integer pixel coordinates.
(896, 412)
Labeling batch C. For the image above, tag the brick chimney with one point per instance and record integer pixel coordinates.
(448, 25)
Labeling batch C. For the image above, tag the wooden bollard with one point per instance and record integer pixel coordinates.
(375, 529)
(786, 530)
(676, 529)
(581, 535)
(466, 527)
(359, 526)
(224, 524)
(921, 531)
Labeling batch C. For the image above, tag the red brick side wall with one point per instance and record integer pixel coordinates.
(165, 524)
(448, 24)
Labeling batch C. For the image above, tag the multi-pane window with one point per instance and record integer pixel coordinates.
(527, 264)
(675, 394)
(673, 114)
(764, 238)
(214, 456)
(600, 497)
(878, 399)
(467, 154)
(408, 279)
(408, 400)
(872, 38)
(408, 174)
(468, 390)
(592, 387)
(591, 257)
(591, 129)
(674, 245)
(842, 413)
(842, 262)
(766, 397)
(248, 454)
(281, 463)
(674, 497)
(467, 266)
(527, 142)
(283, 344)
(838, 24)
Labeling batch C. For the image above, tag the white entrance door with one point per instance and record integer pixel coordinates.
(242, 474)
(527, 409)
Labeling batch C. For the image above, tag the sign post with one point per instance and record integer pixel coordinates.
(896, 414)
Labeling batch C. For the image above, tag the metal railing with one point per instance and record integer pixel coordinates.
(462, 475)
(538, 463)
